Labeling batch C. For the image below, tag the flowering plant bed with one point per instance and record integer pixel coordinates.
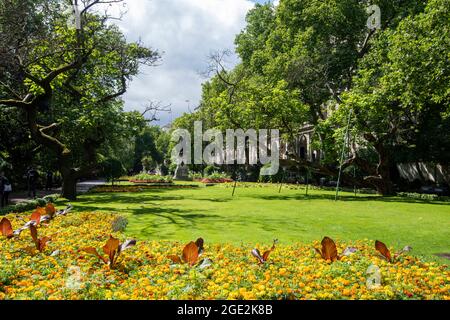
(138, 188)
(214, 181)
(213, 178)
(151, 181)
(149, 178)
(72, 265)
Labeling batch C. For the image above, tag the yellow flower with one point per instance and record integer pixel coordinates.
(346, 292)
(145, 272)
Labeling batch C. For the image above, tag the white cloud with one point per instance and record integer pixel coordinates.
(186, 31)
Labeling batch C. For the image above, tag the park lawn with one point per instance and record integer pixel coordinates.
(261, 214)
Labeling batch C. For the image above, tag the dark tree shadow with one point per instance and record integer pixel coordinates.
(346, 198)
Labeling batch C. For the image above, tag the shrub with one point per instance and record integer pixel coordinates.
(418, 196)
(51, 198)
(195, 176)
(112, 169)
(423, 196)
(119, 224)
(29, 205)
(209, 170)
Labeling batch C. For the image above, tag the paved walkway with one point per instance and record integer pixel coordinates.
(82, 187)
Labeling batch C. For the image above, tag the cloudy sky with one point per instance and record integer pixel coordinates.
(186, 31)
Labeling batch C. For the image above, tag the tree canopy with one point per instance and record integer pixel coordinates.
(66, 83)
(317, 62)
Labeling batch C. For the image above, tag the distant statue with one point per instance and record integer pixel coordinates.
(181, 172)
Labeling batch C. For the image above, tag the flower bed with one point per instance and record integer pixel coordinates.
(150, 181)
(63, 270)
(211, 180)
(148, 178)
(137, 188)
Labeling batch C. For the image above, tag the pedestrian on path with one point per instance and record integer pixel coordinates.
(6, 188)
(32, 177)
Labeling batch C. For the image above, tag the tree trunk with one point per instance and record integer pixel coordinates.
(386, 188)
(62, 152)
(382, 180)
(69, 188)
(383, 185)
(71, 175)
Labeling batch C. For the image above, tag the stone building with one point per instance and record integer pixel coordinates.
(301, 146)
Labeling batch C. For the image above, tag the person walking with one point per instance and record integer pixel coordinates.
(6, 188)
(32, 176)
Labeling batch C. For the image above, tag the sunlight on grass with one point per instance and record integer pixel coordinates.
(259, 215)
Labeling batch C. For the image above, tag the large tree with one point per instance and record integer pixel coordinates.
(67, 82)
(322, 55)
(401, 97)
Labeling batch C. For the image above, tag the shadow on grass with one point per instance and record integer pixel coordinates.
(152, 217)
(174, 216)
(215, 199)
(141, 197)
(128, 198)
(144, 204)
(346, 198)
(154, 221)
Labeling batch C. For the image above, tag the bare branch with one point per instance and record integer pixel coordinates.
(216, 65)
(52, 126)
(88, 5)
(154, 108)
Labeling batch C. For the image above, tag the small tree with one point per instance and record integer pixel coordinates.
(112, 169)
(148, 163)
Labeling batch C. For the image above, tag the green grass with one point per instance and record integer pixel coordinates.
(258, 215)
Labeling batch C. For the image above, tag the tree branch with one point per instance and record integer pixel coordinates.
(15, 103)
(90, 5)
(155, 108)
(113, 96)
(52, 126)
